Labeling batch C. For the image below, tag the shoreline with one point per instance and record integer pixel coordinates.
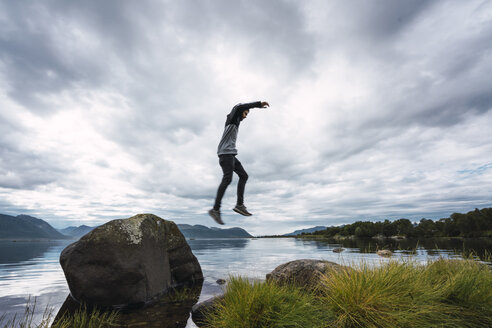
(395, 238)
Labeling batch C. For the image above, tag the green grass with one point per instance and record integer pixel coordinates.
(182, 294)
(264, 304)
(82, 318)
(441, 293)
(87, 319)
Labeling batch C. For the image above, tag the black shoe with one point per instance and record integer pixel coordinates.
(241, 209)
(216, 216)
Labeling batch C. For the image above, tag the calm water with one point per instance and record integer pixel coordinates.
(31, 269)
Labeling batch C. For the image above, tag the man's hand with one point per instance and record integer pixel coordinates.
(264, 104)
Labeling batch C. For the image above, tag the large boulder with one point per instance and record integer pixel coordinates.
(304, 273)
(129, 262)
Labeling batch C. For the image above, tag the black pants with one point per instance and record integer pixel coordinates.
(229, 164)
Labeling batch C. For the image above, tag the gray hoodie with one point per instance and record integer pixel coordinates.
(227, 144)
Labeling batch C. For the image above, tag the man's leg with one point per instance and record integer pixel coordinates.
(243, 177)
(227, 164)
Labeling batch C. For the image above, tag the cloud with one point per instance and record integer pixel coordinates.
(113, 108)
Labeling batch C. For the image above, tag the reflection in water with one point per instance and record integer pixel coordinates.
(21, 251)
(37, 272)
(206, 244)
(36, 275)
(476, 247)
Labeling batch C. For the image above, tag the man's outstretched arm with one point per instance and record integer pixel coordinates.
(256, 104)
(238, 110)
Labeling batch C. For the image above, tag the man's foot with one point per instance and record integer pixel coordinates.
(216, 216)
(241, 209)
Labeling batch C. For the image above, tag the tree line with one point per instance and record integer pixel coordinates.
(477, 223)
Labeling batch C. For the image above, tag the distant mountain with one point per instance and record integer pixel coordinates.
(26, 227)
(309, 230)
(200, 231)
(67, 231)
(76, 232)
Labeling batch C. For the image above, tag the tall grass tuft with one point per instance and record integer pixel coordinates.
(264, 304)
(26, 320)
(444, 293)
(85, 318)
(466, 287)
(82, 318)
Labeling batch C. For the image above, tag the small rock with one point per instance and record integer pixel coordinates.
(221, 281)
(384, 252)
(338, 250)
(304, 272)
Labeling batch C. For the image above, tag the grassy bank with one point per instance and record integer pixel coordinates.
(442, 293)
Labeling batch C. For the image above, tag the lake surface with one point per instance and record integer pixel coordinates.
(31, 269)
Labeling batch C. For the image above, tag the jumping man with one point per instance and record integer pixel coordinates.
(229, 163)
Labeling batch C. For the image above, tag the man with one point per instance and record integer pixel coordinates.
(227, 159)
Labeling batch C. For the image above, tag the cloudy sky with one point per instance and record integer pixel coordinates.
(379, 109)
